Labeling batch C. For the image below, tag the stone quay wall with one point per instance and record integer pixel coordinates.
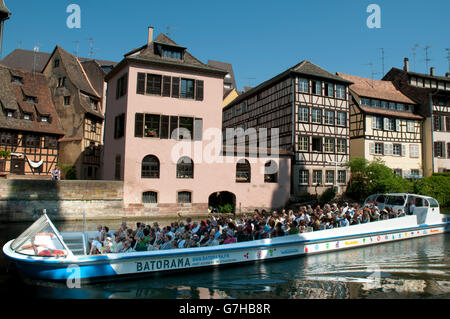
(24, 200)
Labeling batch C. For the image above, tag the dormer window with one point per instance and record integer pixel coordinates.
(61, 81)
(44, 119)
(27, 117)
(10, 114)
(169, 51)
(31, 99)
(94, 104)
(172, 54)
(17, 79)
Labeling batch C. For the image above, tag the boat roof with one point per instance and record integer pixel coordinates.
(401, 194)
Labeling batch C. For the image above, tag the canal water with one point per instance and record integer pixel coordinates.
(414, 268)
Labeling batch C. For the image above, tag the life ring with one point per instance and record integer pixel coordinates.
(52, 253)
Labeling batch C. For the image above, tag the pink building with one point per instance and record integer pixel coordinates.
(163, 138)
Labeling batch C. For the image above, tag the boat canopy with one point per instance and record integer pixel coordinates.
(41, 239)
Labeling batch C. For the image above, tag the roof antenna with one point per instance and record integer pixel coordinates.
(19, 44)
(170, 28)
(91, 47)
(372, 73)
(427, 59)
(448, 58)
(414, 54)
(36, 50)
(77, 45)
(382, 61)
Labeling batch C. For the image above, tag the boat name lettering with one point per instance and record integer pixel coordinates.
(289, 251)
(162, 264)
(354, 242)
(210, 257)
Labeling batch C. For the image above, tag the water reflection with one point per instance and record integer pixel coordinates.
(414, 268)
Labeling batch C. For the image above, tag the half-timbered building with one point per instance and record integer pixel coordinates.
(309, 107)
(432, 93)
(384, 124)
(29, 124)
(78, 90)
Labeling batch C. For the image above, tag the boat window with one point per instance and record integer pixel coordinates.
(433, 203)
(395, 200)
(39, 239)
(371, 199)
(380, 199)
(418, 202)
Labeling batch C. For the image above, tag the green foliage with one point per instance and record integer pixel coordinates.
(226, 209)
(436, 186)
(5, 154)
(374, 177)
(68, 171)
(327, 196)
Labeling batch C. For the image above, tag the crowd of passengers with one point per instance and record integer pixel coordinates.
(220, 230)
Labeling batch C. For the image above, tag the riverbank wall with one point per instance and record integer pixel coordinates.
(24, 200)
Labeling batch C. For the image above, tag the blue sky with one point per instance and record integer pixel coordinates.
(260, 38)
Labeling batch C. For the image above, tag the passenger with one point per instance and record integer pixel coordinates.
(142, 244)
(400, 213)
(167, 242)
(229, 239)
(293, 230)
(126, 246)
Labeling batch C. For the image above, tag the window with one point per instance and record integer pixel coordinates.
(154, 82)
(447, 123)
(184, 198)
(31, 141)
(410, 126)
(342, 177)
(340, 91)
(317, 87)
(199, 90)
(187, 89)
(397, 150)
(375, 103)
(150, 167)
(329, 145)
(186, 128)
(398, 171)
(10, 114)
(341, 146)
(185, 168)
(414, 151)
(303, 177)
(389, 124)
(164, 132)
(303, 114)
(151, 125)
(377, 123)
(243, 171)
(438, 123)
(8, 139)
(56, 63)
(121, 86)
(17, 79)
(400, 107)
(172, 54)
(271, 172)
(149, 198)
(448, 150)
(391, 105)
(329, 117)
(316, 144)
(415, 172)
(316, 116)
(175, 87)
(303, 143)
(384, 105)
(31, 99)
(329, 177)
(27, 116)
(303, 85)
(438, 149)
(317, 177)
(166, 86)
(61, 81)
(341, 119)
(50, 142)
(67, 100)
(119, 126)
(365, 102)
(45, 119)
(379, 149)
(140, 87)
(329, 89)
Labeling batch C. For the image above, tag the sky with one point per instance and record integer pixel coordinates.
(259, 38)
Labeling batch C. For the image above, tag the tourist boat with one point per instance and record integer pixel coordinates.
(42, 252)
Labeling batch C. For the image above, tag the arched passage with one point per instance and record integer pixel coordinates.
(220, 199)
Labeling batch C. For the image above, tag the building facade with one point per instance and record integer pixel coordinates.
(384, 125)
(29, 125)
(309, 107)
(432, 93)
(163, 137)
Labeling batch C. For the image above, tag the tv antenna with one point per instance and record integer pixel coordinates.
(91, 47)
(36, 50)
(250, 81)
(77, 45)
(414, 49)
(372, 73)
(169, 28)
(19, 44)
(427, 59)
(382, 61)
(448, 58)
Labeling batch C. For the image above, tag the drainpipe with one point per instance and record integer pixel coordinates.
(293, 134)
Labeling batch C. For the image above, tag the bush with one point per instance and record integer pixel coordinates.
(327, 196)
(436, 186)
(68, 172)
(226, 209)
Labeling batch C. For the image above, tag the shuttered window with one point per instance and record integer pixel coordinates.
(199, 90)
(139, 125)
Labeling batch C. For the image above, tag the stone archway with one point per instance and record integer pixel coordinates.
(218, 199)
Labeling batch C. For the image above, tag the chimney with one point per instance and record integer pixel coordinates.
(432, 71)
(406, 66)
(447, 75)
(150, 35)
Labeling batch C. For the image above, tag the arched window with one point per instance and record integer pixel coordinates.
(150, 167)
(150, 198)
(271, 172)
(243, 171)
(184, 197)
(185, 168)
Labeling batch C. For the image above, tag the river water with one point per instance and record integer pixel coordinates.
(414, 268)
